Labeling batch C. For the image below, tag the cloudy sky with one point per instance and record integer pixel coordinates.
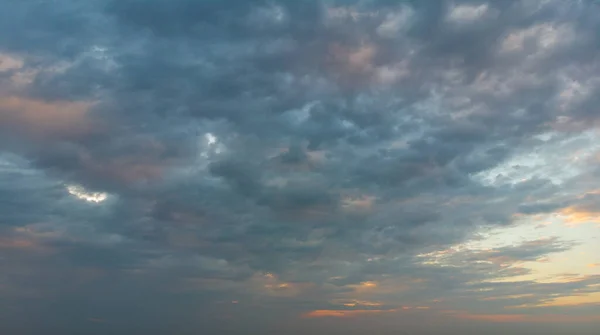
(299, 167)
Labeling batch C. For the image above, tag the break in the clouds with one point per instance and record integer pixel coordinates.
(296, 166)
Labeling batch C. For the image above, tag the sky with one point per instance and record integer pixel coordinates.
(299, 167)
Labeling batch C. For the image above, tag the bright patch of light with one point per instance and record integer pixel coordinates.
(554, 161)
(548, 268)
(82, 194)
(349, 13)
(8, 63)
(467, 13)
(395, 23)
(546, 36)
(301, 115)
(210, 138)
(212, 145)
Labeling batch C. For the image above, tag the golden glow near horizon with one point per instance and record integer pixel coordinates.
(576, 263)
(345, 313)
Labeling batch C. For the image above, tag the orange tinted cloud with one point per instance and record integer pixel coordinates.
(358, 204)
(508, 297)
(574, 300)
(23, 244)
(365, 290)
(8, 62)
(350, 313)
(143, 165)
(354, 59)
(576, 215)
(352, 66)
(42, 119)
(493, 317)
(15, 244)
(270, 284)
(126, 169)
(368, 284)
(338, 313)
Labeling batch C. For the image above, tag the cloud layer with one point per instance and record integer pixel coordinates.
(271, 166)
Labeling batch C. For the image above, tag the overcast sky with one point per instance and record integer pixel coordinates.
(299, 167)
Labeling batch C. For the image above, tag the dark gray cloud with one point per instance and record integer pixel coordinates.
(169, 158)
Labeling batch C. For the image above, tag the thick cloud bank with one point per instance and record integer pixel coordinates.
(254, 166)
